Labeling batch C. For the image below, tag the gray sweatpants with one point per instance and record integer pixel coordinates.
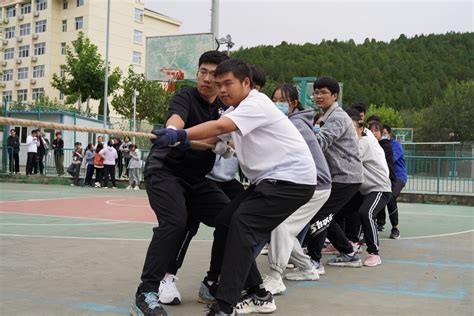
(133, 178)
(283, 241)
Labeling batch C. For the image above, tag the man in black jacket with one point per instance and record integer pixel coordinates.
(13, 145)
(58, 145)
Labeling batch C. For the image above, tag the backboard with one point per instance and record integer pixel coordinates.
(176, 51)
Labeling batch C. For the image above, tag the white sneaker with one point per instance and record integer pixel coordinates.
(273, 285)
(136, 188)
(168, 293)
(129, 187)
(264, 250)
(303, 275)
(254, 304)
(319, 267)
(97, 184)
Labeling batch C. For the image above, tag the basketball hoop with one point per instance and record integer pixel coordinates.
(172, 74)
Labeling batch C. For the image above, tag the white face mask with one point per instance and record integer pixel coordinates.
(384, 137)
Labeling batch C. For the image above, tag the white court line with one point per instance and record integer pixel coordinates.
(111, 202)
(194, 240)
(78, 217)
(433, 214)
(55, 199)
(63, 224)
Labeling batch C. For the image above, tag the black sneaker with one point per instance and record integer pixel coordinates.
(215, 310)
(395, 233)
(207, 292)
(251, 303)
(146, 304)
(380, 228)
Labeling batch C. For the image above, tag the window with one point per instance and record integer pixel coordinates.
(63, 48)
(8, 75)
(61, 96)
(138, 15)
(37, 93)
(62, 72)
(10, 32)
(22, 95)
(25, 8)
(80, 3)
(137, 36)
(79, 23)
(8, 53)
(137, 58)
(22, 73)
(38, 71)
(24, 51)
(64, 26)
(11, 11)
(40, 26)
(41, 5)
(40, 48)
(7, 96)
(25, 29)
(65, 4)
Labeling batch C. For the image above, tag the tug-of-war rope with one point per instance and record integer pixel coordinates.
(68, 127)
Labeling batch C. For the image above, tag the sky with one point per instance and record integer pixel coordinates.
(269, 22)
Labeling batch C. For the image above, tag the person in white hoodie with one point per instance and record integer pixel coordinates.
(109, 154)
(134, 166)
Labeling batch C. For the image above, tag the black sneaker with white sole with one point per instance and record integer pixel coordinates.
(395, 233)
(215, 310)
(251, 303)
(147, 304)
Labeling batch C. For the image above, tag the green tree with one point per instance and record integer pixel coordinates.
(152, 103)
(84, 73)
(387, 114)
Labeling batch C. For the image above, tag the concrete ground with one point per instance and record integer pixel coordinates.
(68, 264)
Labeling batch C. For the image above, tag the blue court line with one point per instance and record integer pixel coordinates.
(426, 264)
(101, 308)
(392, 289)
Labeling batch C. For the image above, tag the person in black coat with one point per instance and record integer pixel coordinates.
(13, 147)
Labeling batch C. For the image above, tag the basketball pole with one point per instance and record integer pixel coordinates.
(215, 19)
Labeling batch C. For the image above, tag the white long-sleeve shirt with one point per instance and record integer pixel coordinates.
(32, 144)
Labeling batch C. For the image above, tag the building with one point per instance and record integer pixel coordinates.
(36, 32)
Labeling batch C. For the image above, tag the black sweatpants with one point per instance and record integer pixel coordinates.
(247, 222)
(341, 193)
(109, 170)
(392, 205)
(30, 163)
(13, 160)
(348, 218)
(179, 207)
(372, 203)
(231, 188)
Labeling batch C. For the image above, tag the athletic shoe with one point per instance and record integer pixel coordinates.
(137, 188)
(97, 184)
(264, 250)
(168, 292)
(252, 303)
(299, 274)
(380, 228)
(147, 304)
(372, 260)
(357, 247)
(129, 187)
(345, 260)
(319, 267)
(114, 187)
(273, 285)
(395, 233)
(215, 310)
(72, 184)
(329, 250)
(206, 292)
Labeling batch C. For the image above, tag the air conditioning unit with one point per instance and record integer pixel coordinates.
(19, 39)
(3, 84)
(36, 14)
(18, 61)
(35, 36)
(21, 17)
(33, 81)
(34, 59)
(5, 42)
(17, 83)
(4, 63)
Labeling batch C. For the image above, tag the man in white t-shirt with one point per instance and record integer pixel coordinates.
(32, 144)
(278, 163)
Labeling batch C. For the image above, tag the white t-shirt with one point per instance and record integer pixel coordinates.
(32, 144)
(268, 145)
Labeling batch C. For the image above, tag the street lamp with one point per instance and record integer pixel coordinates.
(228, 41)
(134, 101)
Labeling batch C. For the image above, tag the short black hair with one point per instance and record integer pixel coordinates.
(378, 126)
(388, 128)
(327, 82)
(290, 93)
(58, 133)
(212, 57)
(258, 75)
(373, 118)
(359, 106)
(353, 112)
(12, 130)
(237, 67)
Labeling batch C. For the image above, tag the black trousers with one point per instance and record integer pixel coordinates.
(341, 193)
(247, 222)
(231, 188)
(372, 203)
(109, 170)
(392, 205)
(13, 160)
(30, 163)
(348, 218)
(89, 174)
(39, 163)
(179, 206)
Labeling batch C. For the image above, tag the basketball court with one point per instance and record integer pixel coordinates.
(80, 251)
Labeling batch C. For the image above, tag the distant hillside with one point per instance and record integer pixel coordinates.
(405, 73)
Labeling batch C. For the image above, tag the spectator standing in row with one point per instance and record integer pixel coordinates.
(124, 151)
(98, 165)
(77, 156)
(110, 156)
(89, 165)
(13, 145)
(58, 145)
(118, 160)
(32, 143)
(134, 166)
(43, 148)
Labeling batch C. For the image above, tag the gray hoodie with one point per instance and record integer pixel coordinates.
(340, 146)
(303, 120)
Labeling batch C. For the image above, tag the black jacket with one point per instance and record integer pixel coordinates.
(13, 143)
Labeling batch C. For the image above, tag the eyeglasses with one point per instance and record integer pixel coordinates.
(321, 92)
(205, 72)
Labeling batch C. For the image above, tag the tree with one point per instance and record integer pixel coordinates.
(152, 103)
(84, 73)
(387, 115)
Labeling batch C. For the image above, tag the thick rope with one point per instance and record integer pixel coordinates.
(67, 127)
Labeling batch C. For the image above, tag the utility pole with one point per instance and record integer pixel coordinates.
(134, 100)
(215, 18)
(106, 79)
